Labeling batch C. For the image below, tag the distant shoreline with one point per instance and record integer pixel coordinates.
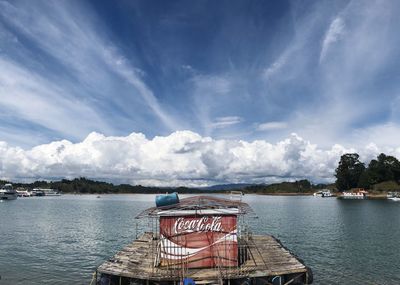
(84, 186)
(370, 196)
(192, 193)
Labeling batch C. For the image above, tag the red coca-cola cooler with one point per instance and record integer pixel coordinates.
(199, 238)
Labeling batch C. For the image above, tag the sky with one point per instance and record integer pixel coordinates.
(196, 93)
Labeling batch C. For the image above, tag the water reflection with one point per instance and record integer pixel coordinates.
(61, 240)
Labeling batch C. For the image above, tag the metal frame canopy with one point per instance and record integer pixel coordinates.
(199, 205)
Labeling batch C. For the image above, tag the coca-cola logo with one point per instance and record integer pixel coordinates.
(202, 224)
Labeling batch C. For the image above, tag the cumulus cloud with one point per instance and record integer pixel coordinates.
(182, 158)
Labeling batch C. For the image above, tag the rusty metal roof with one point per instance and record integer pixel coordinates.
(200, 203)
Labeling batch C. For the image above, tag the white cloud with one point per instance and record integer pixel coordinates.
(223, 122)
(335, 31)
(268, 126)
(38, 100)
(351, 92)
(210, 93)
(212, 84)
(75, 38)
(182, 158)
(188, 68)
(387, 134)
(276, 65)
(292, 59)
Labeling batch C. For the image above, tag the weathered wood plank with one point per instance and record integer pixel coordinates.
(267, 257)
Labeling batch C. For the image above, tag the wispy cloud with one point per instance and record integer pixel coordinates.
(326, 70)
(223, 122)
(268, 126)
(275, 67)
(87, 63)
(326, 82)
(208, 94)
(335, 31)
(30, 96)
(130, 74)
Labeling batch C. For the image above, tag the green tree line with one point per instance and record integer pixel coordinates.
(352, 173)
(84, 185)
(297, 187)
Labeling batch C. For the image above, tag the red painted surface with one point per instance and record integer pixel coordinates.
(199, 241)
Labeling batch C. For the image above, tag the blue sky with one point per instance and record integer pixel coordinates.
(247, 71)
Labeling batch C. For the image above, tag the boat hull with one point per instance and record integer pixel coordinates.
(5, 196)
(396, 199)
(353, 197)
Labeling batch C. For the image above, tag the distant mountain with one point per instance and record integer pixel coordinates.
(222, 187)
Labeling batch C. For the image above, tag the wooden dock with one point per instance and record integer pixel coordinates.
(266, 259)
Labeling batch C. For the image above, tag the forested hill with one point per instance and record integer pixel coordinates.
(87, 186)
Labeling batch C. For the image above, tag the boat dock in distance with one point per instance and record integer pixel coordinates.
(201, 240)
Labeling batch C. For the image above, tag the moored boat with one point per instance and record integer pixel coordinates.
(355, 194)
(318, 194)
(393, 196)
(22, 192)
(326, 193)
(45, 192)
(7, 192)
(51, 192)
(36, 192)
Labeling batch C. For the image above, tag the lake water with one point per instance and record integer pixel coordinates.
(61, 240)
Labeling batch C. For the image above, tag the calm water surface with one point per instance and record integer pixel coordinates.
(61, 240)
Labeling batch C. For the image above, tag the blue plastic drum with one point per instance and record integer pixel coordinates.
(167, 199)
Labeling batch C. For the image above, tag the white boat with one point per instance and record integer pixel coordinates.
(45, 192)
(51, 192)
(326, 193)
(23, 193)
(318, 194)
(394, 196)
(359, 194)
(7, 192)
(36, 192)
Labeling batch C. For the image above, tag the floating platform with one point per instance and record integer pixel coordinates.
(266, 261)
(202, 240)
